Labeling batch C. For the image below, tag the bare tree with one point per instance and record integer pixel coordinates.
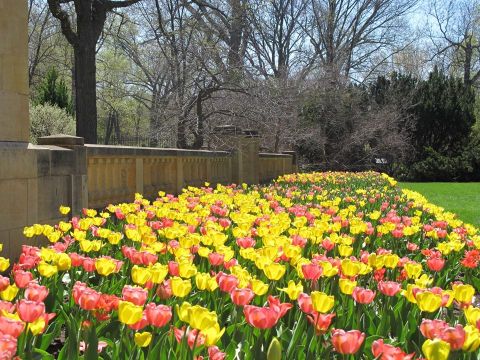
(277, 37)
(347, 33)
(456, 36)
(82, 23)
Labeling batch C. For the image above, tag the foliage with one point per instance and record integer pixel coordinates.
(46, 119)
(53, 91)
(445, 113)
(318, 265)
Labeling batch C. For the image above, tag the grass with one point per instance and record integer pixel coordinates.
(460, 198)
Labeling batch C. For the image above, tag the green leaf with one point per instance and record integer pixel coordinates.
(91, 352)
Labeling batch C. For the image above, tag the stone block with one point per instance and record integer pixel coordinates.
(53, 191)
(14, 118)
(13, 197)
(17, 163)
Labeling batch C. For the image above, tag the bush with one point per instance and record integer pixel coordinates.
(46, 119)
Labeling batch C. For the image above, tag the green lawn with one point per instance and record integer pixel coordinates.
(460, 198)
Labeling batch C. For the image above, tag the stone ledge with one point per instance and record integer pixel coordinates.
(61, 140)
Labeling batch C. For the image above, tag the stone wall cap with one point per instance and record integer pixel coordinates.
(61, 140)
(275, 155)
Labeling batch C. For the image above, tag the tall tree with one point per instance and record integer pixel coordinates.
(347, 34)
(456, 36)
(89, 16)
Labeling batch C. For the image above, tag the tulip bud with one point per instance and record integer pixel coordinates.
(274, 350)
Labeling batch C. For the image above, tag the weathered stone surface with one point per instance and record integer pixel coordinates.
(14, 123)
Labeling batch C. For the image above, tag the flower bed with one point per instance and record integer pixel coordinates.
(319, 265)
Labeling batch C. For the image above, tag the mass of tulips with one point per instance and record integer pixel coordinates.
(312, 266)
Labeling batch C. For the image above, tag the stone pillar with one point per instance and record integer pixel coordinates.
(14, 120)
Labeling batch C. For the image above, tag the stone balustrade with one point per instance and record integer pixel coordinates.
(116, 173)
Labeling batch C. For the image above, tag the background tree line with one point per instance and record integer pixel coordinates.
(349, 84)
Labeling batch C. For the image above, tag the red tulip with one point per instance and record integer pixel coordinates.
(29, 311)
(226, 282)
(4, 282)
(246, 242)
(215, 259)
(214, 353)
(260, 317)
(384, 351)
(280, 308)
(312, 271)
(22, 278)
(11, 327)
(436, 263)
(173, 268)
(363, 296)
(8, 345)
(455, 336)
(305, 303)
(242, 297)
(107, 302)
(321, 322)
(347, 342)
(136, 295)
(36, 292)
(88, 264)
(77, 260)
(389, 288)
(7, 306)
(148, 258)
(158, 315)
(432, 328)
(164, 290)
(88, 299)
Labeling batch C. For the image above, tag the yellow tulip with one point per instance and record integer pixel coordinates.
(37, 326)
(187, 270)
(63, 262)
(472, 339)
(293, 290)
(463, 293)
(141, 275)
(64, 210)
(413, 270)
(182, 311)
(212, 334)
(105, 266)
(114, 238)
(322, 302)
(472, 314)
(143, 339)
(345, 250)
(29, 231)
(9, 293)
(350, 268)
(436, 349)
(129, 313)
(4, 264)
(47, 270)
(428, 301)
(259, 287)
(159, 273)
(201, 318)
(347, 286)
(274, 271)
(180, 287)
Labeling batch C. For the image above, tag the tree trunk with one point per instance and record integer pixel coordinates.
(86, 91)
